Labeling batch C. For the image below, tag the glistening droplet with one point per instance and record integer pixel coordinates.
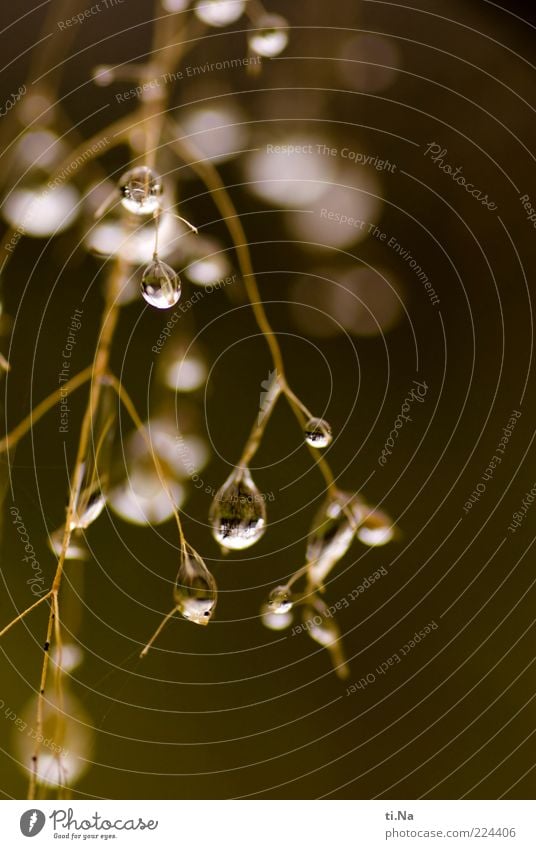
(77, 548)
(318, 433)
(271, 37)
(140, 190)
(238, 512)
(160, 285)
(195, 590)
(275, 621)
(280, 601)
(376, 529)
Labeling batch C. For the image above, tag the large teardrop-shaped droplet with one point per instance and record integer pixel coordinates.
(93, 479)
(332, 533)
(238, 512)
(195, 593)
(271, 37)
(140, 190)
(318, 433)
(160, 285)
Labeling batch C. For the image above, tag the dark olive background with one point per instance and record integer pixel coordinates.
(235, 709)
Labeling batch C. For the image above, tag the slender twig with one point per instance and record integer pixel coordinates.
(222, 199)
(158, 631)
(25, 613)
(11, 439)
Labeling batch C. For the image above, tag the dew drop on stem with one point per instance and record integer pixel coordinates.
(238, 512)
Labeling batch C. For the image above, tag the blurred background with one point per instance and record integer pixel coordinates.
(377, 269)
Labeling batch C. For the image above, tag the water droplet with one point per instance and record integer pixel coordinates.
(376, 529)
(140, 190)
(271, 38)
(195, 590)
(238, 512)
(280, 601)
(77, 548)
(103, 75)
(331, 534)
(318, 433)
(219, 13)
(66, 749)
(320, 628)
(160, 285)
(275, 621)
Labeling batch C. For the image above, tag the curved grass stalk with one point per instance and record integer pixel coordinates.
(11, 439)
(222, 199)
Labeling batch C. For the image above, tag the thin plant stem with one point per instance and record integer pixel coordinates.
(216, 187)
(11, 439)
(24, 613)
(158, 631)
(257, 431)
(102, 356)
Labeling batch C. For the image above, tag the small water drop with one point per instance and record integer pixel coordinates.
(77, 548)
(376, 529)
(238, 512)
(140, 190)
(195, 590)
(275, 621)
(271, 37)
(219, 13)
(160, 285)
(318, 433)
(280, 601)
